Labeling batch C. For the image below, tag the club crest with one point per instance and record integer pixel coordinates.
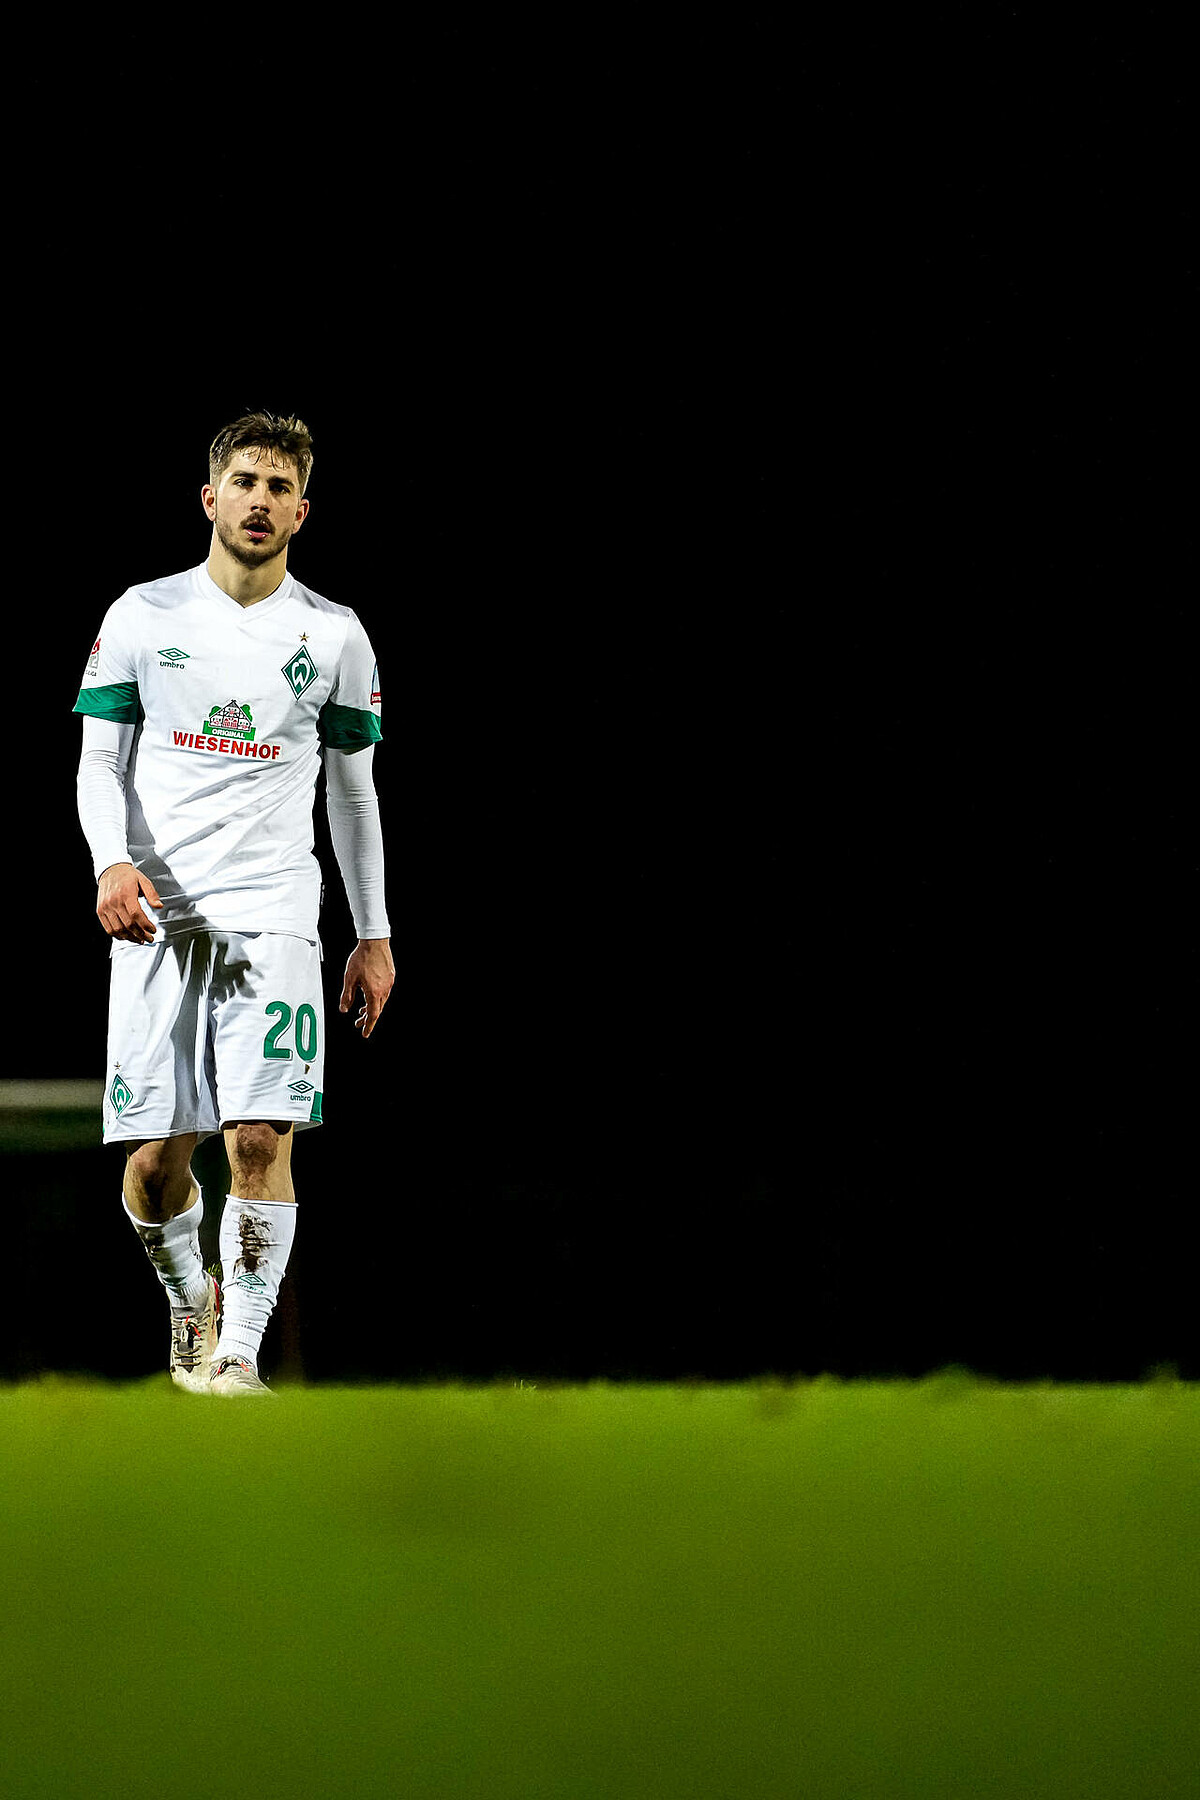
(300, 671)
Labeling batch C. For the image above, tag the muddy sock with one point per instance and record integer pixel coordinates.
(256, 1240)
(174, 1249)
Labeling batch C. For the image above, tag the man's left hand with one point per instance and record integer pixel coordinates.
(371, 973)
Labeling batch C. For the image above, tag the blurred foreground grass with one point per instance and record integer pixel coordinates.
(806, 1592)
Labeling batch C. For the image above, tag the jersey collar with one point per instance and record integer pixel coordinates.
(260, 609)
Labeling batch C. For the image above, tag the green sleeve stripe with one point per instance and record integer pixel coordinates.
(118, 702)
(347, 727)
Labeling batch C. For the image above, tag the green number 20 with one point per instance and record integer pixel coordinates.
(306, 1031)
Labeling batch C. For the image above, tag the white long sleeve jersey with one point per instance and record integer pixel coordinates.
(205, 724)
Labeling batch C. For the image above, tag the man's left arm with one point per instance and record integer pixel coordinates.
(358, 845)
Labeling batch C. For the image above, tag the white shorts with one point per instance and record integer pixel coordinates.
(210, 1028)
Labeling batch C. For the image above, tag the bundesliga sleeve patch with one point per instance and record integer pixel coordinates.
(376, 696)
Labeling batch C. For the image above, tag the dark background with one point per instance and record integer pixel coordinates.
(760, 466)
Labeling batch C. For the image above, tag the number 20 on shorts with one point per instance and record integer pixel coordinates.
(306, 1032)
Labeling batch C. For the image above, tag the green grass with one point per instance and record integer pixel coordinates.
(808, 1592)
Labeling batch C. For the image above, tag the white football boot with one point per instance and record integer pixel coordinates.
(234, 1375)
(193, 1340)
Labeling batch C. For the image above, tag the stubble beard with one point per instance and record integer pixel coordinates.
(251, 556)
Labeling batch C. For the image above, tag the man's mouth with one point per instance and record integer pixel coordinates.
(258, 530)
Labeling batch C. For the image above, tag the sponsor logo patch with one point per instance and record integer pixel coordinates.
(93, 661)
(226, 746)
(229, 721)
(172, 657)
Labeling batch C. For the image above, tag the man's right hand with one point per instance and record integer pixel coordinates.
(118, 904)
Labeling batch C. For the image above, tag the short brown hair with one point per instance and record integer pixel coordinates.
(287, 437)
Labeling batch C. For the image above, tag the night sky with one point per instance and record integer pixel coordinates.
(760, 469)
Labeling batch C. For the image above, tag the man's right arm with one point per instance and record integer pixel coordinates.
(100, 789)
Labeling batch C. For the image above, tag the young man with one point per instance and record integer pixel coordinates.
(210, 700)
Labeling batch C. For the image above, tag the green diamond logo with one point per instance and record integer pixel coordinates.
(174, 655)
(119, 1094)
(300, 671)
(300, 1088)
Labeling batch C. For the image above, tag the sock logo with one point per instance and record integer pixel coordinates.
(254, 1239)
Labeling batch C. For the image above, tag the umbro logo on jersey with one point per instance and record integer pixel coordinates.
(301, 1089)
(172, 657)
(300, 671)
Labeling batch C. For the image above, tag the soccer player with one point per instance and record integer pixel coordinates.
(210, 701)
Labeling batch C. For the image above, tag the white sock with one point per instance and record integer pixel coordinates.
(174, 1249)
(256, 1241)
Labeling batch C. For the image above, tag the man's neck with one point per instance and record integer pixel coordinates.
(246, 586)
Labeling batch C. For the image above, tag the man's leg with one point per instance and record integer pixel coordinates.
(257, 1229)
(268, 1056)
(260, 1160)
(165, 1209)
(158, 1178)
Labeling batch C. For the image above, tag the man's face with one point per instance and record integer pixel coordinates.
(256, 506)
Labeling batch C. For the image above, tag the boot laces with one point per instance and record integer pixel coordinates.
(185, 1340)
(187, 1330)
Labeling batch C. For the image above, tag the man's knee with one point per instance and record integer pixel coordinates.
(156, 1167)
(255, 1145)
